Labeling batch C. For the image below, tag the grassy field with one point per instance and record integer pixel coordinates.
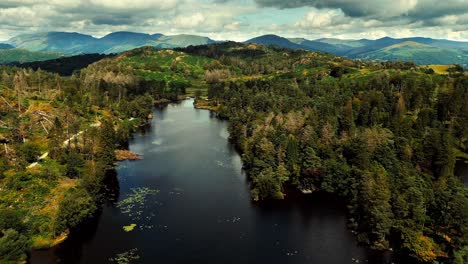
(440, 68)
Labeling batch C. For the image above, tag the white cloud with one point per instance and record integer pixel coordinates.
(235, 20)
(321, 18)
(135, 4)
(191, 21)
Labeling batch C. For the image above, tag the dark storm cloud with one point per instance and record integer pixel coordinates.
(353, 8)
(428, 9)
(113, 20)
(14, 3)
(412, 10)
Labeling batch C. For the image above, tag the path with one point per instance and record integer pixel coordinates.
(65, 143)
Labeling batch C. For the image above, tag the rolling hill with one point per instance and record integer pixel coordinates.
(64, 42)
(5, 46)
(275, 40)
(64, 66)
(313, 45)
(76, 43)
(418, 50)
(8, 56)
(299, 43)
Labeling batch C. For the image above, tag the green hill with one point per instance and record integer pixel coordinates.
(22, 55)
(75, 43)
(5, 46)
(64, 42)
(430, 51)
(416, 52)
(182, 40)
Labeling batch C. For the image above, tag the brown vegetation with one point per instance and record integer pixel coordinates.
(122, 155)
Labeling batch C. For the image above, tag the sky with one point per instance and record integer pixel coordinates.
(240, 19)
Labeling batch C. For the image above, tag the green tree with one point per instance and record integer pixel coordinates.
(266, 186)
(292, 158)
(461, 256)
(29, 151)
(74, 208)
(377, 216)
(13, 246)
(311, 162)
(56, 139)
(106, 141)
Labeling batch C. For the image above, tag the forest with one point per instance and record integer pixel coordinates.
(41, 113)
(383, 136)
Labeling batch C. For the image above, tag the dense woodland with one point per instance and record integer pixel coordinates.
(383, 136)
(65, 66)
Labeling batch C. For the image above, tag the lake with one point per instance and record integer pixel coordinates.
(203, 212)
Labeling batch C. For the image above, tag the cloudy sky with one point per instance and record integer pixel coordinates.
(241, 19)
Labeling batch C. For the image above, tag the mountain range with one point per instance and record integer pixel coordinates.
(76, 43)
(417, 49)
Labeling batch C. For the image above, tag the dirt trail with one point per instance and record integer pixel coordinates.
(65, 143)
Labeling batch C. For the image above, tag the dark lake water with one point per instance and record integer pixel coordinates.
(203, 212)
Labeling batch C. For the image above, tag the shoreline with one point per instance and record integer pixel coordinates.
(124, 155)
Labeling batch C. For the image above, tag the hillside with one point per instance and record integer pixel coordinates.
(58, 139)
(416, 52)
(65, 66)
(436, 51)
(22, 55)
(346, 42)
(5, 46)
(75, 43)
(337, 49)
(181, 41)
(275, 40)
(430, 51)
(64, 42)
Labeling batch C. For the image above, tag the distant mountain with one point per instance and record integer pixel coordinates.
(5, 46)
(21, 55)
(430, 51)
(440, 43)
(275, 40)
(419, 50)
(333, 46)
(76, 43)
(122, 41)
(372, 46)
(346, 42)
(64, 42)
(121, 38)
(337, 49)
(180, 41)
